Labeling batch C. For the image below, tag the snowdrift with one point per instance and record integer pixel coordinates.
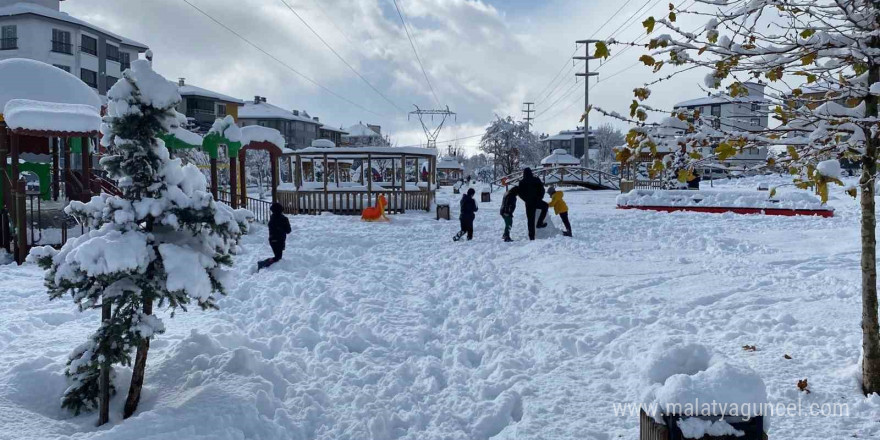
(740, 202)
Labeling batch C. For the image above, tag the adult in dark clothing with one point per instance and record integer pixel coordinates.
(279, 227)
(508, 206)
(531, 191)
(468, 214)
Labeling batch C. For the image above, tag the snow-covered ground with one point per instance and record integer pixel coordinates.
(383, 331)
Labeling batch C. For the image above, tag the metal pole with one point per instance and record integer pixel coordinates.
(587, 74)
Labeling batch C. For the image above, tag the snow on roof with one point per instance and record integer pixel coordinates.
(330, 128)
(376, 151)
(31, 8)
(560, 157)
(449, 163)
(323, 143)
(186, 136)
(361, 130)
(191, 90)
(256, 133)
(28, 114)
(38, 81)
(561, 137)
(719, 98)
(264, 110)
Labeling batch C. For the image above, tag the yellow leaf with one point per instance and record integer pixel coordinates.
(642, 93)
(641, 115)
(773, 192)
(657, 66)
(792, 151)
(685, 176)
(647, 59)
(702, 49)
(807, 33)
(672, 16)
(853, 192)
(724, 151)
(808, 58)
(601, 50)
(649, 24)
(633, 107)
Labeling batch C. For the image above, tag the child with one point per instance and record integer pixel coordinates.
(279, 227)
(560, 208)
(468, 213)
(508, 205)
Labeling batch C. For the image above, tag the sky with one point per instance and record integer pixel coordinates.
(482, 58)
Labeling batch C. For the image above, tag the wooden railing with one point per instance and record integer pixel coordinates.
(260, 208)
(352, 202)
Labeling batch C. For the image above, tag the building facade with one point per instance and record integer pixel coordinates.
(732, 114)
(38, 30)
(572, 141)
(332, 134)
(361, 135)
(202, 106)
(297, 127)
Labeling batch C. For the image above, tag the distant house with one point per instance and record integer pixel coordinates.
(202, 106)
(360, 135)
(731, 114)
(38, 30)
(330, 133)
(298, 128)
(572, 141)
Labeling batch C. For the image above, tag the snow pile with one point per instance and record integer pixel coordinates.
(695, 427)
(186, 136)
(720, 199)
(323, 143)
(27, 114)
(226, 128)
(256, 133)
(35, 80)
(829, 168)
(560, 157)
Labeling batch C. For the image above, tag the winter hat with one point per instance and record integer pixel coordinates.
(276, 208)
(527, 172)
(471, 192)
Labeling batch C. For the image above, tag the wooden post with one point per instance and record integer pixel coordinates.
(274, 160)
(65, 154)
(86, 169)
(338, 174)
(418, 173)
(403, 185)
(242, 167)
(370, 177)
(326, 199)
(214, 177)
(104, 378)
(393, 174)
(233, 181)
(55, 184)
(298, 178)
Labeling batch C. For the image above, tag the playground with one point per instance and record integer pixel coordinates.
(477, 339)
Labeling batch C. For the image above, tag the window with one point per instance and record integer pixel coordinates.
(755, 122)
(8, 37)
(89, 45)
(110, 81)
(221, 110)
(754, 107)
(112, 53)
(61, 42)
(716, 111)
(63, 67)
(124, 60)
(89, 77)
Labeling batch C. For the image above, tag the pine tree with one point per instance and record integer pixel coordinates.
(821, 63)
(163, 242)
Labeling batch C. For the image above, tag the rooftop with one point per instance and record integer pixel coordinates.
(191, 90)
(264, 110)
(30, 8)
(361, 130)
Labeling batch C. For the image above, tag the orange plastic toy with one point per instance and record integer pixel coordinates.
(376, 213)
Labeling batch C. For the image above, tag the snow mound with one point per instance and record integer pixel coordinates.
(667, 361)
(695, 427)
(720, 199)
(27, 114)
(829, 168)
(35, 80)
(256, 133)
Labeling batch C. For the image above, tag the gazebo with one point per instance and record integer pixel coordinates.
(449, 171)
(44, 109)
(559, 158)
(339, 169)
(393, 173)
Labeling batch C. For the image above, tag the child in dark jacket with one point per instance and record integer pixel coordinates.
(279, 227)
(467, 216)
(508, 205)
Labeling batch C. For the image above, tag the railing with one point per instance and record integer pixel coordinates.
(567, 174)
(260, 208)
(8, 43)
(88, 50)
(352, 202)
(62, 47)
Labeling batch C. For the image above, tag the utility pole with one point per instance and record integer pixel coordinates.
(586, 74)
(528, 117)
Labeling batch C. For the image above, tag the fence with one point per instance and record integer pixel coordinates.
(352, 202)
(260, 208)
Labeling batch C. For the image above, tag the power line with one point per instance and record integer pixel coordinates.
(340, 56)
(288, 66)
(553, 90)
(557, 74)
(609, 20)
(332, 23)
(416, 52)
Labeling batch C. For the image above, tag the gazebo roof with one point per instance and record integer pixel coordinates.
(51, 118)
(38, 81)
(259, 134)
(449, 163)
(363, 152)
(560, 157)
(323, 143)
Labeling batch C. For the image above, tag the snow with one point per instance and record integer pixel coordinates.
(695, 427)
(449, 163)
(721, 199)
(156, 90)
(226, 128)
(829, 168)
(256, 133)
(323, 143)
(560, 157)
(377, 331)
(186, 136)
(38, 81)
(27, 114)
(265, 110)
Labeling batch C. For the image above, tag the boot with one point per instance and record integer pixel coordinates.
(458, 236)
(542, 225)
(567, 233)
(507, 238)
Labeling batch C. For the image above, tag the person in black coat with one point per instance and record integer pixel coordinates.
(531, 191)
(468, 214)
(508, 206)
(279, 227)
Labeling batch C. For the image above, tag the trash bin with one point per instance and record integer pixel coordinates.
(649, 429)
(443, 211)
(485, 197)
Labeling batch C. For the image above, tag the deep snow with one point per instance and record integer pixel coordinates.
(380, 331)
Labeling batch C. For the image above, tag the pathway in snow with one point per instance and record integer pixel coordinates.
(381, 331)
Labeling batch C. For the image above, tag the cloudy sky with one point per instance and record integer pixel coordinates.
(483, 58)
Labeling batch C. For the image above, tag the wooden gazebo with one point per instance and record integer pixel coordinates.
(404, 190)
(449, 171)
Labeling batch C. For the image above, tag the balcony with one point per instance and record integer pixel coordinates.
(8, 43)
(62, 47)
(88, 50)
(112, 58)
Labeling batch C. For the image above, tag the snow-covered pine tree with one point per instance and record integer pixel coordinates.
(820, 61)
(165, 241)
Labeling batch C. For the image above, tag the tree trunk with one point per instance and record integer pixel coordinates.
(104, 379)
(870, 326)
(140, 365)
